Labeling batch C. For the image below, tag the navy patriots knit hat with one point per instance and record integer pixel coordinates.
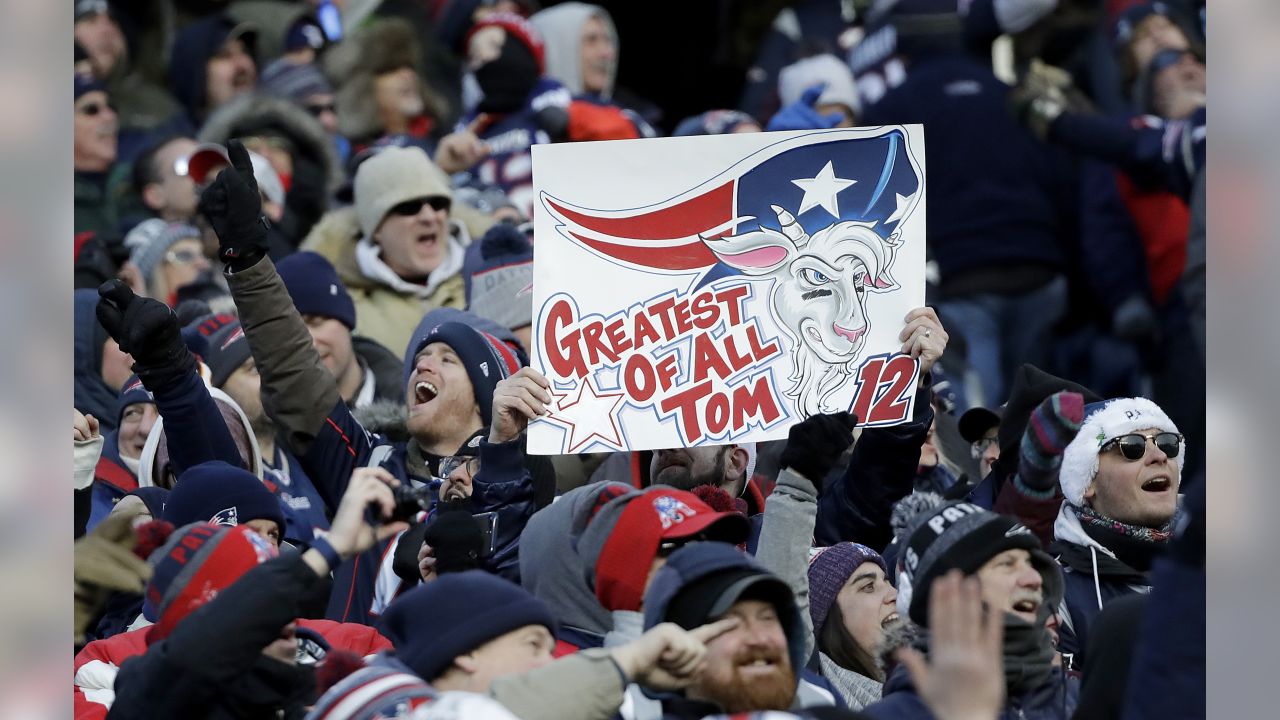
(962, 536)
(486, 359)
(228, 350)
(222, 494)
(829, 569)
(316, 289)
(378, 691)
(498, 275)
(132, 393)
(193, 566)
(457, 613)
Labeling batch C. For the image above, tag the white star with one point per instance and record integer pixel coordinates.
(900, 209)
(822, 190)
(587, 415)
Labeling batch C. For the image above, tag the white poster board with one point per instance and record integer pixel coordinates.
(706, 290)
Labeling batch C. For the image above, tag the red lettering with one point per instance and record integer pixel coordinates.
(868, 380)
(717, 413)
(706, 314)
(595, 348)
(747, 403)
(758, 351)
(638, 378)
(192, 541)
(667, 372)
(617, 337)
(683, 322)
(562, 352)
(687, 402)
(893, 404)
(706, 358)
(660, 310)
(732, 300)
(642, 331)
(736, 360)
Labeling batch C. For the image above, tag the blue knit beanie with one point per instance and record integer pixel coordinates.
(227, 350)
(485, 358)
(498, 276)
(314, 285)
(457, 613)
(132, 393)
(222, 494)
(829, 569)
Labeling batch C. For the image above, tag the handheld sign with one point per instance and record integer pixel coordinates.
(707, 290)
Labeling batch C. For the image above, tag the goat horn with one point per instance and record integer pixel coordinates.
(790, 227)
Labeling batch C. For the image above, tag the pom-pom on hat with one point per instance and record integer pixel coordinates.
(1103, 422)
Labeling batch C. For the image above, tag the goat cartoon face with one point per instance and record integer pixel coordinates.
(819, 293)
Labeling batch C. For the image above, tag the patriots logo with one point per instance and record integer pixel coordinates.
(229, 517)
(238, 334)
(672, 511)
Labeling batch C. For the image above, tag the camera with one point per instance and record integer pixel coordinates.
(410, 501)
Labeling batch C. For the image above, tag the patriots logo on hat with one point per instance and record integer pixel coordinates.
(672, 511)
(229, 516)
(239, 333)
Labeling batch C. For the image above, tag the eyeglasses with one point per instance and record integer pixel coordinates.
(979, 447)
(1134, 445)
(318, 109)
(409, 208)
(91, 109)
(182, 257)
(450, 463)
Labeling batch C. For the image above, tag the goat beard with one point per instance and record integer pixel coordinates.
(736, 694)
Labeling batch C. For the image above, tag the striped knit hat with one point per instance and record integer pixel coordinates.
(194, 565)
(151, 239)
(383, 689)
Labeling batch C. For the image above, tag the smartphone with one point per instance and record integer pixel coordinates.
(488, 523)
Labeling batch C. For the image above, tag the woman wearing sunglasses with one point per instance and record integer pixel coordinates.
(165, 257)
(1119, 466)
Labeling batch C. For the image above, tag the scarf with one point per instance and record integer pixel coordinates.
(857, 689)
(1028, 653)
(1133, 545)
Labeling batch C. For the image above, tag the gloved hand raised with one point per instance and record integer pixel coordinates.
(802, 115)
(146, 329)
(815, 445)
(233, 208)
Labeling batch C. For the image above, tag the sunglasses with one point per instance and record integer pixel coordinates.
(93, 108)
(1134, 445)
(318, 109)
(409, 208)
(182, 257)
(449, 463)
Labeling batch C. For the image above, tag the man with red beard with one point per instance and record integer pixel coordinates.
(753, 667)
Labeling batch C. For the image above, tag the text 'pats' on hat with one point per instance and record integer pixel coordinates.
(197, 563)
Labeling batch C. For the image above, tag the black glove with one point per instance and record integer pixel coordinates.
(815, 445)
(146, 329)
(233, 208)
(456, 538)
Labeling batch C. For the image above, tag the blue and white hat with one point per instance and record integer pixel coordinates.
(1104, 421)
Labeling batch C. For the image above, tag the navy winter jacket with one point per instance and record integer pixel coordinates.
(1055, 700)
(856, 506)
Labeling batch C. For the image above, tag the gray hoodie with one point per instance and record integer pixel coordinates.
(561, 28)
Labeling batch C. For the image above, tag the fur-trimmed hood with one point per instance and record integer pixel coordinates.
(385, 417)
(379, 47)
(253, 112)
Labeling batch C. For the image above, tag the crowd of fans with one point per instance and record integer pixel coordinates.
(303, 251)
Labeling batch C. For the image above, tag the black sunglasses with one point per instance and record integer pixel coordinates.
(1134, 445)
(409, 208)
(94, 108)
(316, 109)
